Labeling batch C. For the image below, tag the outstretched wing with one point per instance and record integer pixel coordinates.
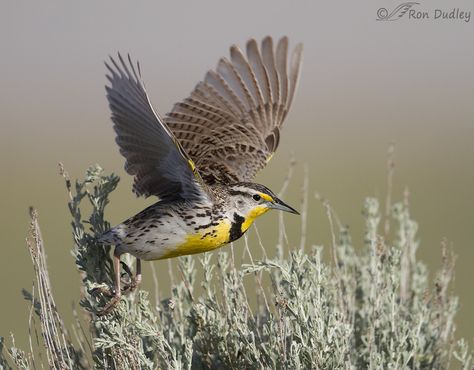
(153, 155)
(230, 124)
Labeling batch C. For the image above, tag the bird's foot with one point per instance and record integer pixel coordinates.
(133, 281)
(109, 307)
(129, 284)
(103, 289)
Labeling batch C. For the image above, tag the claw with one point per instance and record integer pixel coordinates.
(109, 306)
(105, 290)
(128, 288)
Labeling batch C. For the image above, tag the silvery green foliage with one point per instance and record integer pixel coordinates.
(370, 309)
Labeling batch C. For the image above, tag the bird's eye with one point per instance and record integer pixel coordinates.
(256, 197)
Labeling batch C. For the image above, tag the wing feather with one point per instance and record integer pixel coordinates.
(230, 124)
(256, 63)
(223, 90)
(153, 154)
(226, 70)
(295, 67)
(281, 65)
(268, 56)
(250, 82)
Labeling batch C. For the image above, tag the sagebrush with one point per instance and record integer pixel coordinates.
(372, 307)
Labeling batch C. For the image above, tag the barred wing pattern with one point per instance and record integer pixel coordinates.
(153, 154)
(230, 124)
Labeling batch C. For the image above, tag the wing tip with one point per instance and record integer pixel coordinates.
(283, 40)
(123, 67)
(267, 38)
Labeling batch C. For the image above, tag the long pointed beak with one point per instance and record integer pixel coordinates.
(281, 206)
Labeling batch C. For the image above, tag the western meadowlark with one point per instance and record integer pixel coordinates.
(200, 158)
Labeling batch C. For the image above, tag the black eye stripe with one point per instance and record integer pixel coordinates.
(256, 197)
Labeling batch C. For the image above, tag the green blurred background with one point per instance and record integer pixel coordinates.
(364, 84)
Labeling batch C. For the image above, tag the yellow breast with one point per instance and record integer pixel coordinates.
(213, 237)
(204, 241)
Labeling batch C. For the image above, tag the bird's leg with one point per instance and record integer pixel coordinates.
(135, 280)
(128, 283)
(118, 293)
(138, 272)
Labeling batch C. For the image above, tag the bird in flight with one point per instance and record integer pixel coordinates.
(200, 159)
